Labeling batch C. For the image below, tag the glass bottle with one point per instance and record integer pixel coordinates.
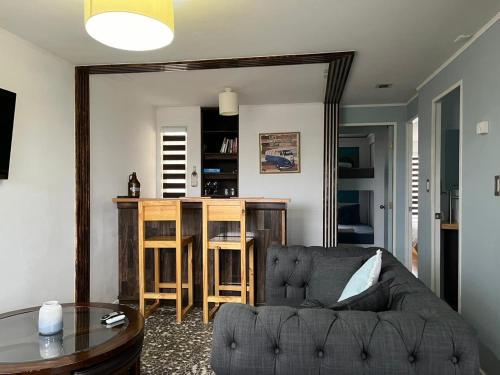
(134, 186)
(194, 178)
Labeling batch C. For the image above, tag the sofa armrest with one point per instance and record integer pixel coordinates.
(283, 340)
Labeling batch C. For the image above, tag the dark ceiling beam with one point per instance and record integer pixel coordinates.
(234, 62)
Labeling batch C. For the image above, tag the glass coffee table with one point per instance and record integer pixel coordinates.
(85, 346)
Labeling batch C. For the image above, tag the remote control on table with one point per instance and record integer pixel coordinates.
(113, 317)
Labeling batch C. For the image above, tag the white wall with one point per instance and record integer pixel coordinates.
(189, 118)
(37, 218)
(123, 140)
(305, 214)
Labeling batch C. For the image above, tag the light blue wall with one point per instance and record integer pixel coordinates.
(412, 109)
(479, 69)
(398, 115)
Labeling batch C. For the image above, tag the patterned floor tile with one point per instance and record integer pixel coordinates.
(176, 349)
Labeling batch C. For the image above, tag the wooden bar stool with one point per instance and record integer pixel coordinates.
(164, 210)
(232, 210)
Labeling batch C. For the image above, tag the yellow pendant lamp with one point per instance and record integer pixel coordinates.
(133, 25)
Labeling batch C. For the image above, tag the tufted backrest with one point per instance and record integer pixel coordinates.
(419, 334)
(288, 271)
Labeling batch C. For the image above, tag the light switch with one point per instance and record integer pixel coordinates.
(497, 186)
(482, 127)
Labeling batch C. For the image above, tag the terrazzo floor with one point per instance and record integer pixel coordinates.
(180, 349)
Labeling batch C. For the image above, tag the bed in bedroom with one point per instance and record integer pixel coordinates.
(360, 234)
(350, 229)
(347, 170)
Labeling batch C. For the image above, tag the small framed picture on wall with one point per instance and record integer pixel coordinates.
(279, 152)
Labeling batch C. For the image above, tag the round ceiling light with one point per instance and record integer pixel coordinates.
(228, 103)
(132, 25)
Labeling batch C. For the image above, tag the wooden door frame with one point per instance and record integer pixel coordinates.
(394, 153)
(338, 72)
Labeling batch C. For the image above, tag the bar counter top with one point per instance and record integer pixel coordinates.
(201, 199)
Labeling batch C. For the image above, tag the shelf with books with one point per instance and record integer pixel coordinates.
(219, 154)
(221, 176)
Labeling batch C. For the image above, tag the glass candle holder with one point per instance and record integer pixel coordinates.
(50, 320)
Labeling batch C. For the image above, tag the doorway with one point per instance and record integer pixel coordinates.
(412, 168)
(366, 191)
(446, 192)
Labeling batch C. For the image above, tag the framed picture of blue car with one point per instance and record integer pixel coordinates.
(279, 152)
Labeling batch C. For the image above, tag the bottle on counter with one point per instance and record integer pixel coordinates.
(194, 178)
(134, 186)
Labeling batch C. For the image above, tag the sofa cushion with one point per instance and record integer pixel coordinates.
(366, 276)
(375, 298)
(329, 275)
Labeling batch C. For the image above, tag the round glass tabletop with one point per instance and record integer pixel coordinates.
(82, 330)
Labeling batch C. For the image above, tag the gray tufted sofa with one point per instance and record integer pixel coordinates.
(418, 334)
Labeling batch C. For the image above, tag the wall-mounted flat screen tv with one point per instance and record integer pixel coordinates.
(7, 109)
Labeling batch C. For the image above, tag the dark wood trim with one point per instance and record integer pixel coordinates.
(338, 73)
(234, 62)
(82, 194)
(340, 63)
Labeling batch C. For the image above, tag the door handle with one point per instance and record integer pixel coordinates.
(438, 215)
(382, 207)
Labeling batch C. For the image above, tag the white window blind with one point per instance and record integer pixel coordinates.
(174, 158)
(414, 185)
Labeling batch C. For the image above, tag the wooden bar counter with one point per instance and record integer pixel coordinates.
(265, 217)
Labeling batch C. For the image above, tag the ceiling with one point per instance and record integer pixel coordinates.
(398, 41)
(261, 85)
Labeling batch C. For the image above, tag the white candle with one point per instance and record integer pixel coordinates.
(50, 319)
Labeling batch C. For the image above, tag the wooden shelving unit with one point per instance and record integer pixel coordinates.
(214, 128)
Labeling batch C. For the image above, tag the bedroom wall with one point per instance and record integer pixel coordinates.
(386, 114)
(412, 109)
(37, 216)
(478, 68)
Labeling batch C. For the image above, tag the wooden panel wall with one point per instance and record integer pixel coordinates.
(338, 73)
(266, 225)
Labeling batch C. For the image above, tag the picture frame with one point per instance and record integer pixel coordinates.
(279, 152)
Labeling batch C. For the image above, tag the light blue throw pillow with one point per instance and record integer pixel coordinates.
(366, 276)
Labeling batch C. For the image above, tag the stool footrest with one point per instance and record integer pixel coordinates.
(172, 286)
(232, 288)
(224, 299)
(160, 296)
